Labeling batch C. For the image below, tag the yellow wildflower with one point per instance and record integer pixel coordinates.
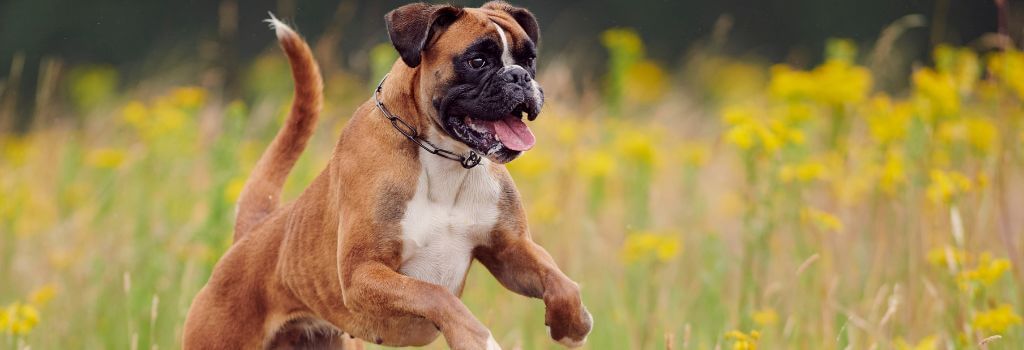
(787, 83)
(765, 317)
(595, 164)
(892, 174)
(623, 39)
(821, 219)
(936, 92)
(930, 342)
(887, 121)
(997, 320)
(105, 158)
(42, 295)
(19, 318)
(188, 97)
(134, 113)
(694, 154)
(531, 165)
(16, 149)
(945, 185)
(987, 272)
(234, 189)
(663, 247)
(645, 82)
(638, 146)
(748, 132)
(803, 172)
(743, 341)
(946, 256)
(1008, 67)
(978, 132)
(840, 82)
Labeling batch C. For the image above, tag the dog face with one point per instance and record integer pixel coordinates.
(477, 71)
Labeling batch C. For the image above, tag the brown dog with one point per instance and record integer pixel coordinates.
(379, 245)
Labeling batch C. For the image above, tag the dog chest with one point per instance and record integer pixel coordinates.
(452, 211)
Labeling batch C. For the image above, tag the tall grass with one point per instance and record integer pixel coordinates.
(719, 204)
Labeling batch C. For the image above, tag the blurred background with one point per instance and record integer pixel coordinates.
(729, 174)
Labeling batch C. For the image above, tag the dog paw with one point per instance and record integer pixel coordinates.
(572, 331)
(571, 342)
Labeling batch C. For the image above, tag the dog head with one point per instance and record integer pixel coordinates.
(476, 69)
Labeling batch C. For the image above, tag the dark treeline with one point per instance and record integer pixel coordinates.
(132, 35)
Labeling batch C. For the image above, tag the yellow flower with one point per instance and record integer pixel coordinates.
(743, 341)
(105, 158)
(638, 146)
(16, 149)
(234, 189)
(663, 247)
(531, 165)
(997, 320)
(840, 82)
(892, 174)
(645, 82)
(822, 220)
(751, 134)
(987, 272)
(188, 97)
(765, 317)
(595, 164)
(946, 256)
(134, 113)
(978, 132)
(936, 92)
(694, 154)
(887, 121)
(945, 186)
(930, 342)
(19, 318)
(1008, 67)
(42, 295)
(803, 172)
(787, 83)
(623, 39)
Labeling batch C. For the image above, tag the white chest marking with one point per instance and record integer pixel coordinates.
(452, 211)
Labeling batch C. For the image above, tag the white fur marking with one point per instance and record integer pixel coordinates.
(492, 344)
(280, 29)
(506, 53)
(452, 211)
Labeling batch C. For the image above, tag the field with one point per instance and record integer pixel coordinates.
(711, 203)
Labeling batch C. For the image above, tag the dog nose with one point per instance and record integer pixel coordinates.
(517, 75)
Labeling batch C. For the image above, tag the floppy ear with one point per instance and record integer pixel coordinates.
(412, 26)
(522, 16)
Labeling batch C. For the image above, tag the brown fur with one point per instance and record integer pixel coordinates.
(300, 275)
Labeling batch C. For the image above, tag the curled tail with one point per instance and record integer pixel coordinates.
(262, 191)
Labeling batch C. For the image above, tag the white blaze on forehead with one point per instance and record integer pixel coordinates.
(506, 53)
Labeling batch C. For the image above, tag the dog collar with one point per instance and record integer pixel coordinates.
(410, 133)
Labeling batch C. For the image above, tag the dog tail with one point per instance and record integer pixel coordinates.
(262, 191)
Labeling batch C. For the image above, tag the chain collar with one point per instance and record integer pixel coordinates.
(410, 133)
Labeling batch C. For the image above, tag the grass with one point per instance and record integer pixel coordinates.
(720, 204)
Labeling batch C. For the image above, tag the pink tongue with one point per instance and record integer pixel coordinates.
(514, 134)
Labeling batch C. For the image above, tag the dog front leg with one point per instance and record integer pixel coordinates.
(377, 289)
(526, 268)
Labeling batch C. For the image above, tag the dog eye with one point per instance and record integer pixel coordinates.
(477, 63)
(530, 61)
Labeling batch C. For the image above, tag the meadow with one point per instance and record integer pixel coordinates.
(714, 202)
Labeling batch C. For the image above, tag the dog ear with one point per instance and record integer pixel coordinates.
(411, 27)
(522, 16)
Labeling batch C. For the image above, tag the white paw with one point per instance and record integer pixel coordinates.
(492, 344)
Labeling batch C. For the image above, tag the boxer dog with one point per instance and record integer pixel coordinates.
(379, 245)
